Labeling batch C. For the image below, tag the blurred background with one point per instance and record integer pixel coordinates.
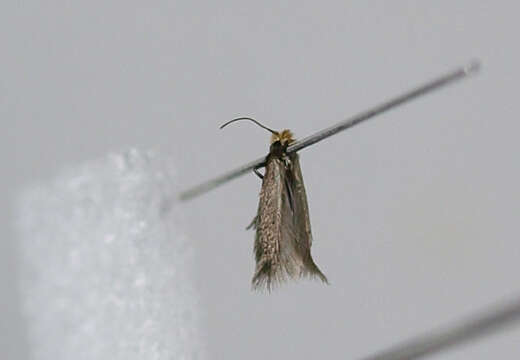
(414, 214)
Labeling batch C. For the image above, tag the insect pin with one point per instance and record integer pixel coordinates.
(283, 230)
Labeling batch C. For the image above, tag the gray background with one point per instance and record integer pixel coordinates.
(414, 214)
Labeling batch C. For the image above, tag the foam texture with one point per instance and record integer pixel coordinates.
(105, 272)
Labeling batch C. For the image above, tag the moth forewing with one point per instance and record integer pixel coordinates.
(301, 215)
(302, 221)
(268, 226)
(283, 232)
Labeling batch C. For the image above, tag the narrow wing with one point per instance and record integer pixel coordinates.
(301, 224)
(268, 225)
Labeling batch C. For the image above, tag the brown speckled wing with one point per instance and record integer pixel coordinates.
(283, 233)
(268, 225)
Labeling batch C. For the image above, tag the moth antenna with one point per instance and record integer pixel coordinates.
(250, 119)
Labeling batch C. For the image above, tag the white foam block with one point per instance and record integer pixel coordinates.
(105, 273)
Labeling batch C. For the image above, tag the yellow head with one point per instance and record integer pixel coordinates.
(285, 137)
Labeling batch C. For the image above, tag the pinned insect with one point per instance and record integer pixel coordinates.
(283, 229)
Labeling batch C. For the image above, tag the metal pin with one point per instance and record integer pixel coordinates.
(428, 87)
(480, 324)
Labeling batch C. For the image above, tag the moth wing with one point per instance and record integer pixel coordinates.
(296, 216)
(268, 225)
(290, 234)
(301, 208)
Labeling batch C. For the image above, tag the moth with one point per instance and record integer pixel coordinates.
(283, 240)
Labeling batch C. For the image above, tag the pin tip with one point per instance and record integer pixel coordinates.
(472, 68)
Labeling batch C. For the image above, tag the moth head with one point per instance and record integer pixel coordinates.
(284, 137)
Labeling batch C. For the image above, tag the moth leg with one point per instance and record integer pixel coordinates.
(258, 173)
(290, 196)
(253, 223)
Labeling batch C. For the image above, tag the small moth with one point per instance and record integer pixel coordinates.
(283, 231)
